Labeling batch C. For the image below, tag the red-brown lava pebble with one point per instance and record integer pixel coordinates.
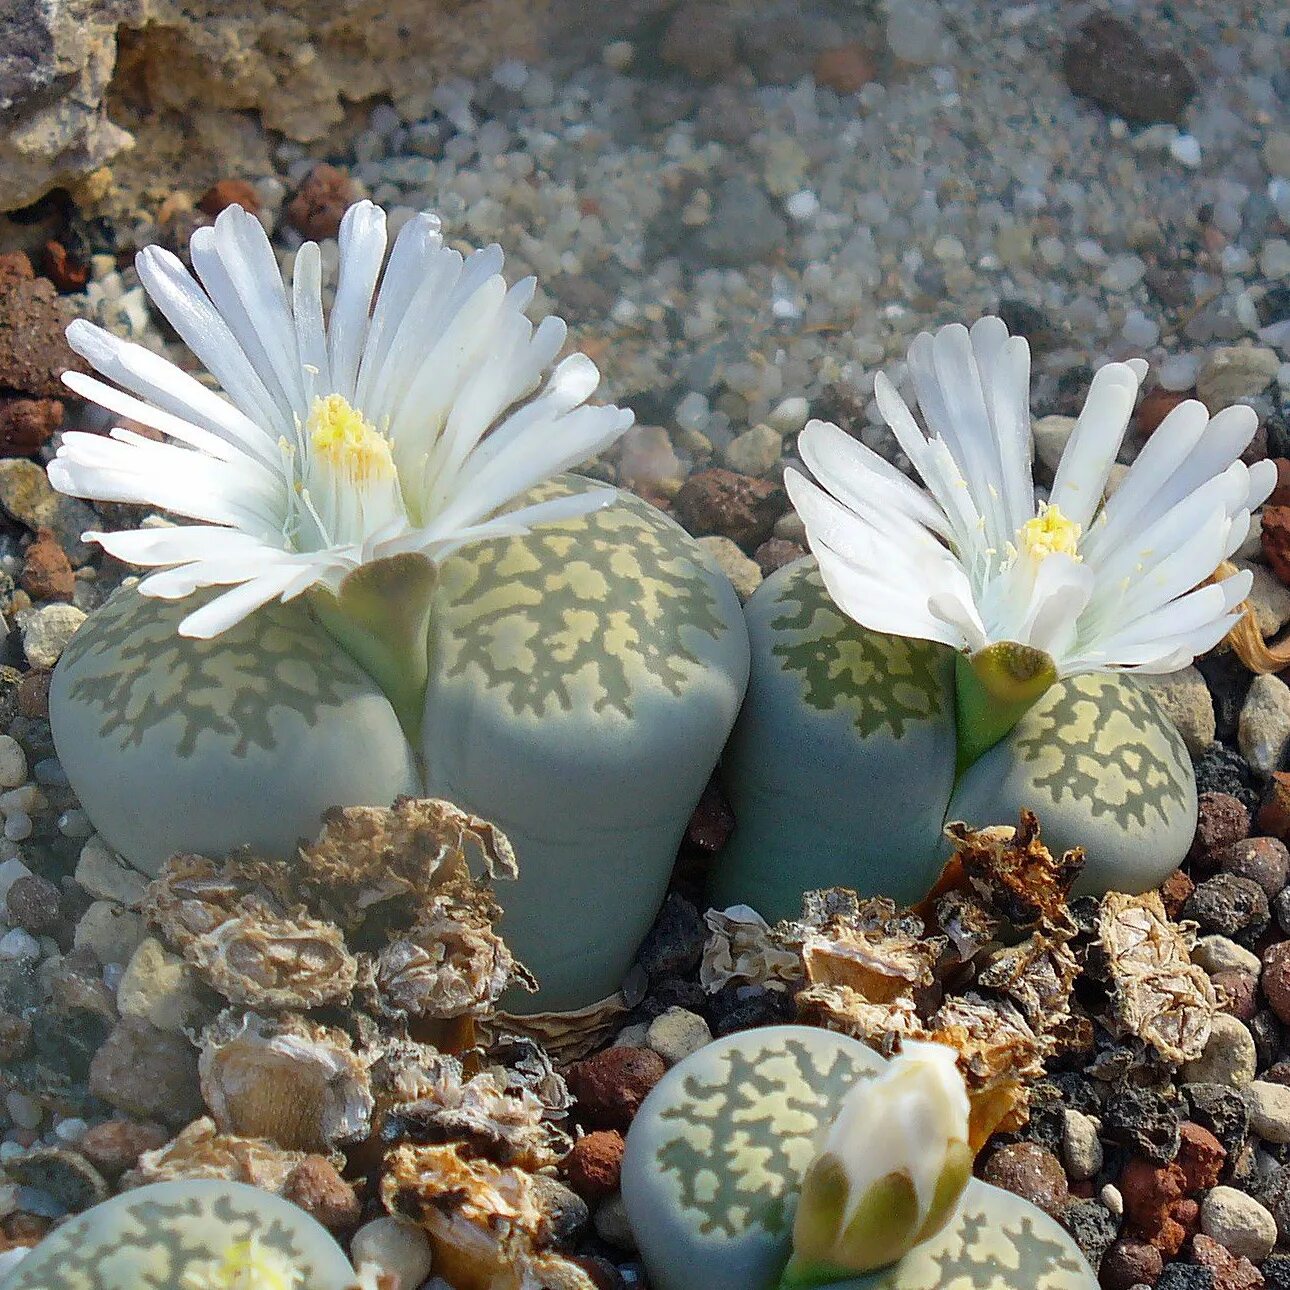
(1274, 813)
(1201, 1157)
(1262, 860)
(321, 1192)
(1238, 993)
(1174, 892)
(1155, 1204)
(317, 208)
(1231, 1271)
(1130, 1263)
(1031, 1172)
(611, 1085)
(116, 1145)
(1276, 978)
(230, 192)
(1221, 819)
(46, 571)
(593, 1166)
(845, 68)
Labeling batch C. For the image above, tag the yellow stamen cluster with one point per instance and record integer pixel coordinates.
(349, 443)
(1050, 533)
(244, 1265)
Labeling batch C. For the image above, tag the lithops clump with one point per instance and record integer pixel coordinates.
(833, 704)
(733, 1137)
(388, 585)
(960, 646)
(205, 1235)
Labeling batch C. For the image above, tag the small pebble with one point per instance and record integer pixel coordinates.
(1238, 1222)
(1269, 1107)
(676, 1034)
(393, 1246)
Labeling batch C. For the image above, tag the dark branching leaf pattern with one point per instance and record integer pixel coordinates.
(887, 682)
(130, 663)
(584, 614)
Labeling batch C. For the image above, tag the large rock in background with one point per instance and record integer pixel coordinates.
(184, 80)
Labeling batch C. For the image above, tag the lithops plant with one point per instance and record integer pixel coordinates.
(390, 587)
(963, 651)
(202, 1235)
(790, 1156)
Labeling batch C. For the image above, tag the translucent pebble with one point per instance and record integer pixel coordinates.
(19, 946)
(802, 205)
(1179, 372)
(1140, 330)
(1185, 150)
(112, 974)
(72, 1129)
(18, 826)
(692, 412)
(13, 762)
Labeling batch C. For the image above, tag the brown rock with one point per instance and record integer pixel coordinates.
(321, 201)
(319, 1190)
(1276, 540)
(1274, 812)
(1130, 1263)
(611, 1085)
(1200, 1156)
(1108, 61)
(33, 694)
(1238, 993)
(775, 554)
(1262, 860)
(701, 39)
(1280, 495)
(33, 349)
(15, 1037)
(845, 68)
(1031, 1172)
(116, 1145)
(1155, 1204)
(735, 506)
(1175, 891)
(1231, 1271)
(26, 424)
(61, 268)
(1221, 819)
(147, 1073)
(1276, 978)
(601, 1273)
(593, 1166)
(47, 572)
(33, 904)
(230, 192)
(1155, 406)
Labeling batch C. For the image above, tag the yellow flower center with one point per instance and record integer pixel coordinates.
(245, 1266)
(1050, 533)
(351, 445)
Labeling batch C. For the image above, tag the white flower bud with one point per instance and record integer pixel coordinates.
(891, 1170)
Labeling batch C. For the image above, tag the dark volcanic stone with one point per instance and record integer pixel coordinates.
(1185, 1276)
(1235, 907)
(1222, 769)
(1093, 1226)
(1229, 684)
(1221, 819)
(1276, 1272)
(1141, 1119)
(745, 1007)
(675, 943)
(1222, 1111)
(1107, 61)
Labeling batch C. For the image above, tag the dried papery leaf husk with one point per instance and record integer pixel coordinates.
(1015, 874)
(481, 1114)
(872, 950)
(451, 963)
(1158, 995)
(193, 895)
(839, 1008)
(969, 927)
(528, 1068)
(260, 960)
(202, 1151)
(567, 1036)
(1038, 975)
(290, 1080)
(368, 855)
(742, 948)
(482, 1219)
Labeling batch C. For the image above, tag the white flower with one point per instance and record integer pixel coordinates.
(972, 561)
(401, 424)
(892, 1168)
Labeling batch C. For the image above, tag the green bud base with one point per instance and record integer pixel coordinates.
(716, 1156)
(159, 1237)
(581, 683)
(842, 767)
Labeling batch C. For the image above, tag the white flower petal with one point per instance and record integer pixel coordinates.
(362, 248)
